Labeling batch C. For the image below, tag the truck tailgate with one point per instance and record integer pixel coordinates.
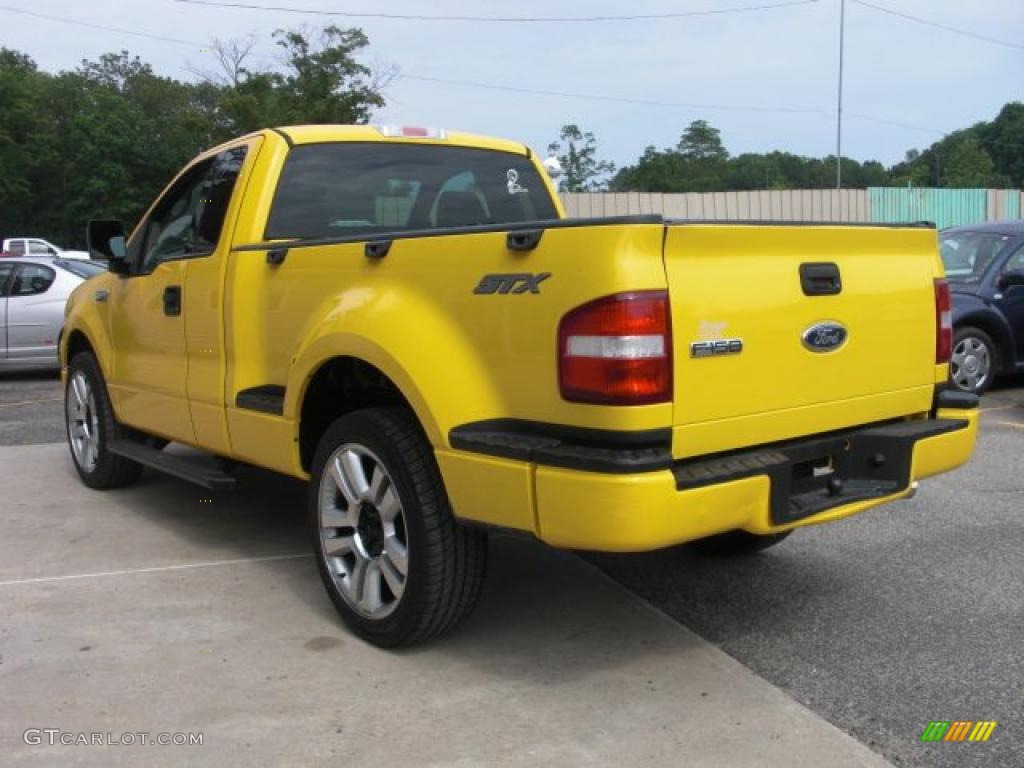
(777, 371)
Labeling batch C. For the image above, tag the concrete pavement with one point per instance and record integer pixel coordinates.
(150, 609)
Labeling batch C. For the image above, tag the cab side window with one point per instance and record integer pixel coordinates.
(188, 220)
(16, 248)
(170, 233)
(221, 186)
(31, 280)
(37, 248)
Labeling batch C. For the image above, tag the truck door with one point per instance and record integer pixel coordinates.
(204, 297)
(150, 362)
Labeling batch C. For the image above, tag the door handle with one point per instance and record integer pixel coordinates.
(377, 249)
(820, 279)
(172, 300)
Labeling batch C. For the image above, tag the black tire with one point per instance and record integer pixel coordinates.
(964, 336)
(735, 543)
(445, 561)
(109, 470)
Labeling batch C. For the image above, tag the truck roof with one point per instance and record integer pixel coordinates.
(317, 134)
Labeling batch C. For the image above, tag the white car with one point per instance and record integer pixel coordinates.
(36, 246)
(33, 292)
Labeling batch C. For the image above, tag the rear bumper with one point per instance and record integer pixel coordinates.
(773, 489)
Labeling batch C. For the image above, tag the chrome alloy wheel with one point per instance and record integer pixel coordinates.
(363, 532)
(970, 364)
(83, 422)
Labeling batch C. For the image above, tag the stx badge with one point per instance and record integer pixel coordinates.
(515, 283)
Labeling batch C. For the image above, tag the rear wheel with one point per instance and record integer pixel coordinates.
(91, 427)
(972, 365)
(736, 543)
(398, 567)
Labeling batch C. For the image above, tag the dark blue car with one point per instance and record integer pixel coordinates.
(985, 268)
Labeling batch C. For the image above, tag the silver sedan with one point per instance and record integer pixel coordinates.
(33, 291)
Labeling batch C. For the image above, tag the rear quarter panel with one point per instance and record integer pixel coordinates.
(456, 355)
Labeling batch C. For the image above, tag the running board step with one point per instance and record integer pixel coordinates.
(178, 466)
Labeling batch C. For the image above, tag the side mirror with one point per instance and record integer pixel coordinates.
(1011, 278)
(105, 240)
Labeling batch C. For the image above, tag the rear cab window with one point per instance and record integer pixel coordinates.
(367, 188)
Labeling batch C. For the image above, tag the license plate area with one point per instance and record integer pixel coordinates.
(816, 474)
(825, 473)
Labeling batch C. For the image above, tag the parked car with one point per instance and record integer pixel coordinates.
(36, 246)
(33, 292)
(985, 268)
(407, 319)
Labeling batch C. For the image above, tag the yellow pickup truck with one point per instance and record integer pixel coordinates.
(405, 318)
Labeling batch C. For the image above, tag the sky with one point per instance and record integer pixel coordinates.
(738, 71)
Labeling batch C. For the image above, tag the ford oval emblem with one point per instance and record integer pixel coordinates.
(824, 337)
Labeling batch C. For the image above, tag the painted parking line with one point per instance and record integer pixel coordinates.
(1013, 424)
(32, 402)
(1001, 408)
(156, 569)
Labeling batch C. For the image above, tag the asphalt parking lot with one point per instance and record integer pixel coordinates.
(160, 608)
(909, 613)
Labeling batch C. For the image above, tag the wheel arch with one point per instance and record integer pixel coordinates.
(997, 330)
(341, 384)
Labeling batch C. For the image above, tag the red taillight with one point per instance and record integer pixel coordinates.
(617, 350)
(943, 322)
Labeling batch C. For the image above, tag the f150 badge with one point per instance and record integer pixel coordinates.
(513, 283)
(716, 347)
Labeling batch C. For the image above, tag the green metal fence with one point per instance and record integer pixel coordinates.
(945, 207)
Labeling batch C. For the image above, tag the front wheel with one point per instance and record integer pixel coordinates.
(396, 564)
(91, 426)
(736, 543)
(972, 365)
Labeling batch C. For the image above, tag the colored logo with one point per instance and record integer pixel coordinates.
(824, 337)
(958, 730)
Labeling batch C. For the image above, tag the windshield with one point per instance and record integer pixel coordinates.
(343, 189)
(966, 255)
(84, 269)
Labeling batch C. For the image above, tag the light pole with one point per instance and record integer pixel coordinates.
(839, 109)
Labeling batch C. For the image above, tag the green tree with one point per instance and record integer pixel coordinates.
(1003, 140)
(966, 165)
(21, 94)
(577, 152)
(320, 81)
(103, 139)
(702, 143)
(324, 82)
